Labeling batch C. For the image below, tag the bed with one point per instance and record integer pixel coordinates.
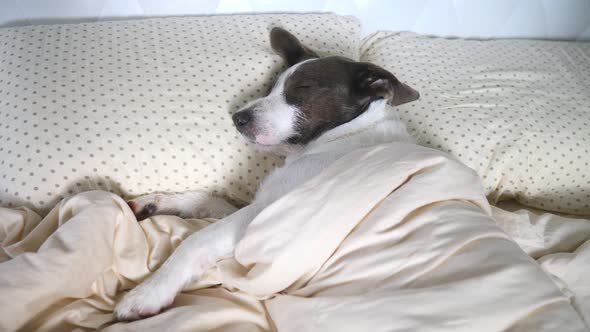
(139, 106)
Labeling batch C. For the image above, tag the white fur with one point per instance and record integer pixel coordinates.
(379, 124)
(190, 204)
(274, 119)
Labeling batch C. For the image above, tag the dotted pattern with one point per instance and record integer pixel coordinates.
(140, 106)
(516, 111)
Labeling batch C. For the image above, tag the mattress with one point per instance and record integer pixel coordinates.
(141, 106)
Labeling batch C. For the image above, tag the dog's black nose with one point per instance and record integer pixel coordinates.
(242, 118)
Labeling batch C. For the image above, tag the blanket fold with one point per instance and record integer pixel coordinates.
(390, 238)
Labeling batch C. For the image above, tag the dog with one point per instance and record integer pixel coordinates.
(319, 109)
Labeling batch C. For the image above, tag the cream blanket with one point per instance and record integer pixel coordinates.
(390, 238)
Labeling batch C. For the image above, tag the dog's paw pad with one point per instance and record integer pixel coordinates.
(147, 211)
(143, 207)
(150, 209)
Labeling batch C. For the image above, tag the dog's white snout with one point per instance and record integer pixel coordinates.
(269, 120)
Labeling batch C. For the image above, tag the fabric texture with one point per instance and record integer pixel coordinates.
(141, 106)
(412, 248)
(560, 244)
(516, 111)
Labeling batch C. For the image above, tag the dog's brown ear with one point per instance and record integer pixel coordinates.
(288, 47)
(373, 82)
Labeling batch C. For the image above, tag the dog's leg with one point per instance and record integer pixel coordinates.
(187, 263)
(190, 204)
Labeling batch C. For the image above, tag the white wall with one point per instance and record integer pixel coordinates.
(547, 19)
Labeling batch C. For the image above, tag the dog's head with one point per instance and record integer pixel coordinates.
(314, 95)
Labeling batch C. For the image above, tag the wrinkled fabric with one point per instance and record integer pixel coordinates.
(390, 238)
(561, 245)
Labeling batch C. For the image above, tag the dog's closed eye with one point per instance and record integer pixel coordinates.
(307, 84)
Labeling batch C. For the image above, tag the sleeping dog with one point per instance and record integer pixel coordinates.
(318, 110)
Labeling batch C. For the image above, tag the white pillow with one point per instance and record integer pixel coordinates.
(141, 106)
(516, 111)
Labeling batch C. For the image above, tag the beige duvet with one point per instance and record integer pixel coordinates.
(391, 238)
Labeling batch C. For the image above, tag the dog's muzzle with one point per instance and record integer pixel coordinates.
(242, 118)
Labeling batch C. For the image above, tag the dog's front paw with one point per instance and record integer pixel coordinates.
(145, 206)
(141, 302)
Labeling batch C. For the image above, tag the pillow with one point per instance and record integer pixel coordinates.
(140, 106)
(516, 111)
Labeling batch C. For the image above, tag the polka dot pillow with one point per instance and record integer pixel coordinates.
(141, 106)
(518, 112)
